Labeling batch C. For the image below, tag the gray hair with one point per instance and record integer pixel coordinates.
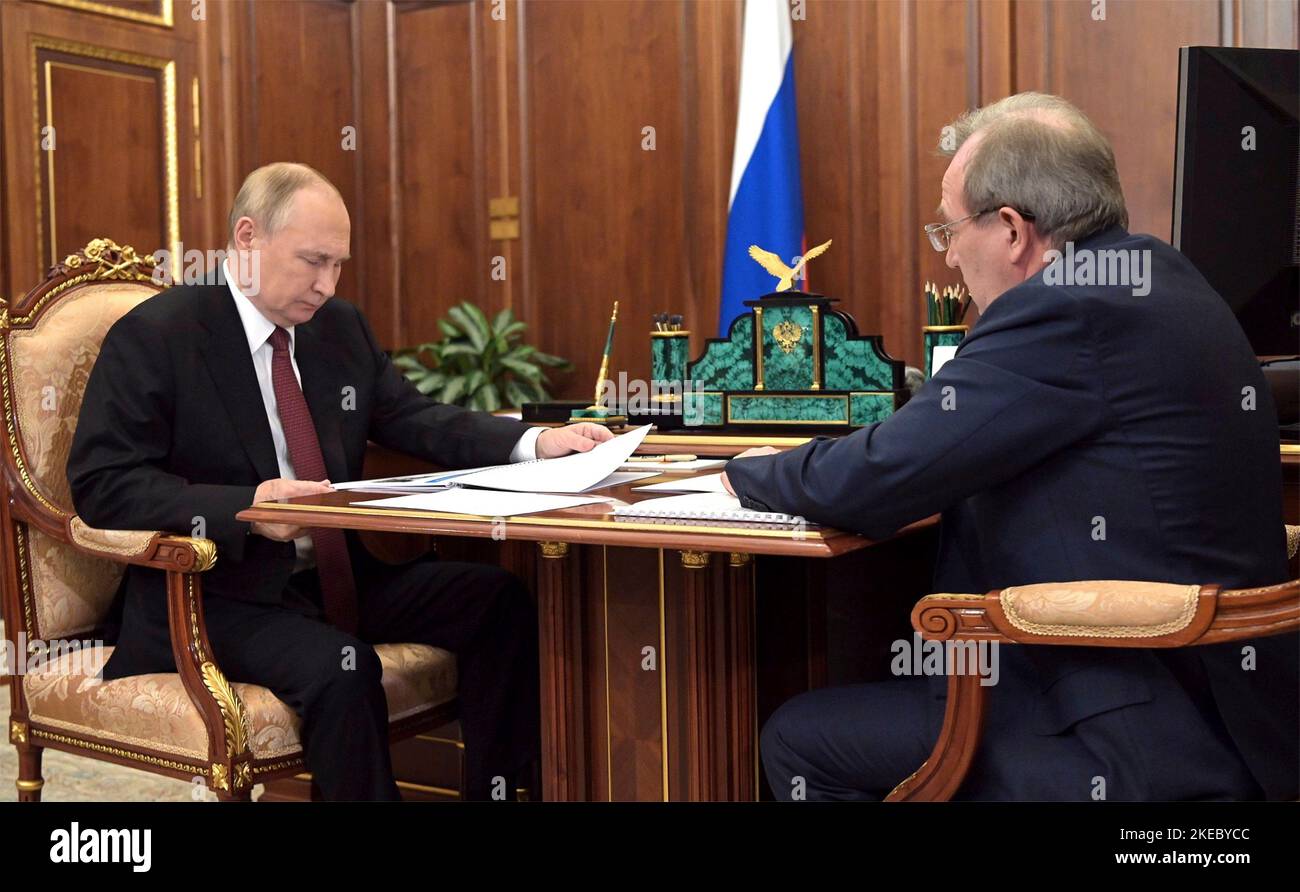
(1040, 155)
(268, 192)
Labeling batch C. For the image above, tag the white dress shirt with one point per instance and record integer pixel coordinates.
(258, 329)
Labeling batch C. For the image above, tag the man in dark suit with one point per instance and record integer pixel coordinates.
(206, 399)
(1103, 424)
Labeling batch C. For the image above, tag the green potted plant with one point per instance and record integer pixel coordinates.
(479, 364)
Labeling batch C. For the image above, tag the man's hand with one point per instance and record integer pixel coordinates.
(748, 453)
(280, 488)
(580, 437)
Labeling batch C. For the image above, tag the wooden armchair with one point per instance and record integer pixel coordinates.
(60, 576)
(1108, 613)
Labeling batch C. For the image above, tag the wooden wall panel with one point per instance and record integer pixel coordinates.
(458, 103)
(1123, 72)
(84, 98)
(606, 217)
(711, 44)
(440, 166)
(105, 82)
(838, 109)
(299, 94)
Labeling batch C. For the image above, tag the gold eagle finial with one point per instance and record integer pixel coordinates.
(785, 275)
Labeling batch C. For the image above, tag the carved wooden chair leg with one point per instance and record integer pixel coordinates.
(30, 779)
(938, 779)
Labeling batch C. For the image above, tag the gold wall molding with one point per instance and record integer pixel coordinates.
(45, 171)
(165, 17)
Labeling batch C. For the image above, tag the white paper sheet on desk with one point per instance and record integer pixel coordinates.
(703, 483)
(484, 502)
(423, 482)
(675, 467)
(570, 473)
(621, 477)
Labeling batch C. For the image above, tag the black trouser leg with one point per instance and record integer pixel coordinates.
(485, 617)
(332, 680)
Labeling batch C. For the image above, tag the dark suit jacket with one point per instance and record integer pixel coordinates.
(1067, 407)
(173, 433)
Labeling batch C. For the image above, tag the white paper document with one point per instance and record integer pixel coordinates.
(675, 467)
(940, 355)
(703, 483)
(569, 473)
(620, 477)
(701, 506)
(482, 502)
(423, 482)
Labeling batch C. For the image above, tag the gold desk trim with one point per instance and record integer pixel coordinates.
(795, 534)
(663, 682)
(707, 440)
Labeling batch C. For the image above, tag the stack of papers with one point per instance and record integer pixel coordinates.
(571, 473)
(483, 502)
(701, 506)
(528, 484)
(675, 467)
(423, 482)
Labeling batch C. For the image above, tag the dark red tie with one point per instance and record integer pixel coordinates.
(332, 562)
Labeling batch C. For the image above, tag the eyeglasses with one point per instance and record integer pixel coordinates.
(940, 234)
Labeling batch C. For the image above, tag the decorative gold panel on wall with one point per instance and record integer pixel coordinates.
(157, 12)
(109, 163)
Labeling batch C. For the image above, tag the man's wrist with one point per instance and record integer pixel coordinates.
(526, 446)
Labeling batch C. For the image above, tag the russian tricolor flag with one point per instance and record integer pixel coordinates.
(765, 207)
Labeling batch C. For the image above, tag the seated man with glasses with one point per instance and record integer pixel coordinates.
(1104, 419)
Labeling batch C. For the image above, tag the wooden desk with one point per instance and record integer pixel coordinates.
(650, 669)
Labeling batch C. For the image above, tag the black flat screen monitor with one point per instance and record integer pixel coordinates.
(1236, 189)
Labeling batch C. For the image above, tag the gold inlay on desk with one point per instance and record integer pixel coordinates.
(781, 532)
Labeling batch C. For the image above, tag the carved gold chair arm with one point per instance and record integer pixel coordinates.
(147, 548)
(183, 559)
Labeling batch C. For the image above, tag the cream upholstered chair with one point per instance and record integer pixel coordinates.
(60, 577)
(1104, 613)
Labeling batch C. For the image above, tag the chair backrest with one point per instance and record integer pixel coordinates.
(49, 341)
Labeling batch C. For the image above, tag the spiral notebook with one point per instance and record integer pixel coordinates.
(702, 506)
